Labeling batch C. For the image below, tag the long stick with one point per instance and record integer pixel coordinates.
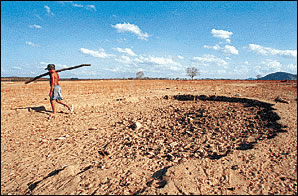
(59, 70)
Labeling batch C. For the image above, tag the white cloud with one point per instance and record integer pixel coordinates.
(99, 54)
(62, 2)
(124, 60)
(216, 47)
(240, 70)
(210, 60)
(152, 63)
(292, 68)
(271, 51)
(59, 66)
(48, 9)
(35, 26)
(121, 69)
(38, 17)
(271, 65)
(258, 70)
(121, 40)
(161, 60)
(157, 60)
(180, 57)
(160, 63)
(91, 7)
(44, 63)
(31, 44)
(221, 34)
(18, 68)
(221, 71)
(87, 7)
(230, 50)
(83, 72)
(126, 50)
(126, 27)
(114, 69)
(77, 5)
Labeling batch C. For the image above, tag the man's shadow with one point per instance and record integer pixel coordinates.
(40, 109)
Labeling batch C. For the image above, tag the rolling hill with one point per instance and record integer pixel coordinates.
(279, 76)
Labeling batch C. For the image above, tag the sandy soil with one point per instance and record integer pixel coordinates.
(150, 137)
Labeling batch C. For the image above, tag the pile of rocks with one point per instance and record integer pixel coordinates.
(191, 129)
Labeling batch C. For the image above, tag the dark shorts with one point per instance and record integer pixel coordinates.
(57, 93)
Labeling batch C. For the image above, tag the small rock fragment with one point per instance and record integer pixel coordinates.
(279, 99)
(61, 138)
(135, 126)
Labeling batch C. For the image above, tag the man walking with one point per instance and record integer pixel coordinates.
(55, 91)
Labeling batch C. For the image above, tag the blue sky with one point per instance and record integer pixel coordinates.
(232, 40)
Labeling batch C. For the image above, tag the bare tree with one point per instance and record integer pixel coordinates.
(140, 74)
(192, 72)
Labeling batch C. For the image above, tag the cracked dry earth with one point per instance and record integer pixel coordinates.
(150, 137)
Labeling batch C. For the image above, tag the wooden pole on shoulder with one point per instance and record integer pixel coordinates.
(59, 70)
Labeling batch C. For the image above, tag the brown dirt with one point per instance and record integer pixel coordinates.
(150, 137)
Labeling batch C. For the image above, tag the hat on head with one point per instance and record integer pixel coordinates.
(50, 66)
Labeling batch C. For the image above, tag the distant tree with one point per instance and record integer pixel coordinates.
(192, 72)
(258, 76)
(140, 74)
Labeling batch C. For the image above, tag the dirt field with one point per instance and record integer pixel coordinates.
(150, 137)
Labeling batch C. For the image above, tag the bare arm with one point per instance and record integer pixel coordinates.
(52, 79)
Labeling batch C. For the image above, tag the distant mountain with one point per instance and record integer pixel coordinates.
(279, 76)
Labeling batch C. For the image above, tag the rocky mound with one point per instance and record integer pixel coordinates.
(188, 126)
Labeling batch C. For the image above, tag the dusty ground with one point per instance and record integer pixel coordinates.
(150, 137)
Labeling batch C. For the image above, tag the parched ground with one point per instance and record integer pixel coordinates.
(150, 137)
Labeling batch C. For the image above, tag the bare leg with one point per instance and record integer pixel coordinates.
(53, 106)
(65, 105)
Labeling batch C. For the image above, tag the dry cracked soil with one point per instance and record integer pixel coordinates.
(150, 137)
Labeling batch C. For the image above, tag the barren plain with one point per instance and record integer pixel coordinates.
(142, 137)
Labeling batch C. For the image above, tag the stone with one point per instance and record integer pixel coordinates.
(136, 126)
(279, 99)
(61, 138)
(251, 139)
